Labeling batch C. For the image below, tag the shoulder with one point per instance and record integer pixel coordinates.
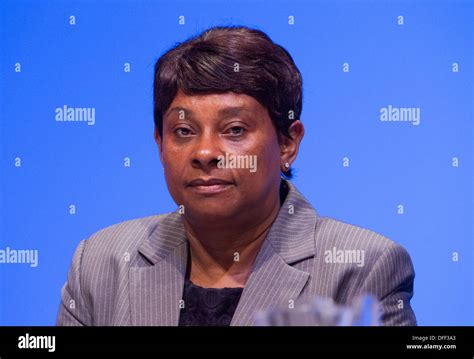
(331, 233)
(358, 250)
(121, 239)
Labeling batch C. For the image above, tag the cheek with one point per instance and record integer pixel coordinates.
(173, 155)
(271, 155)
(268, 154)
(174, 163)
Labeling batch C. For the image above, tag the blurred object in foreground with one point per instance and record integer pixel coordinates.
(319, 311)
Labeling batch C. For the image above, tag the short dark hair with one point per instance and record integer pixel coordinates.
(231, 59)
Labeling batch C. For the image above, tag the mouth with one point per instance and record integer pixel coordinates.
(209, 186)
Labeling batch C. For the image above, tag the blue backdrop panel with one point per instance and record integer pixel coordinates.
(410, 180)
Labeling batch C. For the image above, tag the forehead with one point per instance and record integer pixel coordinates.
(214, 103)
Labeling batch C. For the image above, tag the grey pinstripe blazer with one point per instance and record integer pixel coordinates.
(132, 273)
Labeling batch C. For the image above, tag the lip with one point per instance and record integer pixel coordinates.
(209, 185)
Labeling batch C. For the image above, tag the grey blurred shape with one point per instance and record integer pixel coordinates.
(319, 311)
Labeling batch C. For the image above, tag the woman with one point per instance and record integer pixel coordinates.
(227, 108)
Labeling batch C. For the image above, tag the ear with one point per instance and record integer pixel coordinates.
(159, 142)
(289, 146)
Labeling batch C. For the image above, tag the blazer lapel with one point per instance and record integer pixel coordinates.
(274, 281)
(156, 289)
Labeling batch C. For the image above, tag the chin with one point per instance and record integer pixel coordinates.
(212, 213)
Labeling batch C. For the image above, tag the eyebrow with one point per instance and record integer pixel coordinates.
(233, 111)
(224, 112)
(178, 109)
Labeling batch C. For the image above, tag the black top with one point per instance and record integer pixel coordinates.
(208, 306)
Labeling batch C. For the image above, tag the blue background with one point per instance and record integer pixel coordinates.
(391, 163)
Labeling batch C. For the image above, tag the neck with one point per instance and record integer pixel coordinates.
(224, 256)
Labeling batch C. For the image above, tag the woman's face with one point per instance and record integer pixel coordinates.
(221, 157)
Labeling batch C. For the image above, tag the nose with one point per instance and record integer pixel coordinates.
(205, 153)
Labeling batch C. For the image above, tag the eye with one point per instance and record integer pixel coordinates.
(182, 131)
(235, 131)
